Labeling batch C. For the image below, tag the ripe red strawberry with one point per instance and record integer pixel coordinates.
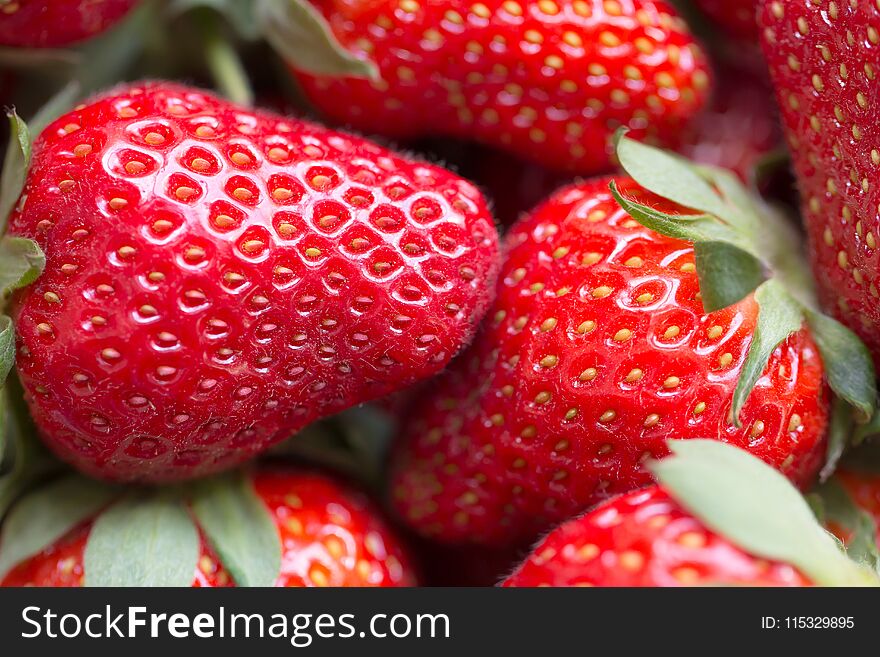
(331, 536)
(52, 23)
(645, 538)
(824, 61)
(738, 129)
(548, 80)
(735, 18)
(597, 350)
(218, 278)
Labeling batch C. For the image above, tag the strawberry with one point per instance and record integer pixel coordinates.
(644, 538)
(607, 337)
(596, 350)
(548, 80)
(218, 278)
(53, 23)
(736, 18)
(719, 516)
(330, 536)
(824, 60)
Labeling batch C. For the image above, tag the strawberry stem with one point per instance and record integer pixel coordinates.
(223, 61)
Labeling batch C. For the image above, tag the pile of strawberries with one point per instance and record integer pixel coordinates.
(620, 347)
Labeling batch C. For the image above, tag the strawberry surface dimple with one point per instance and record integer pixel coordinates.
(218, 279)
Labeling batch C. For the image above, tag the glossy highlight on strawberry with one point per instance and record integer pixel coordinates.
(644, 538)
(218, 278)
(54, 23)
(547, 80)
(596, 350)
(330, 536)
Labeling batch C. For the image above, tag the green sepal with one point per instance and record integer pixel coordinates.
(303, 38)
(142, 540)
(840, 431)
(15, 166)
(847, 361)
(668, 175)
(779, 316)
(239, 14)
(836, 506)
(755, 507)
(24, 460)
(21, 262)
(727, 274)
(41, 518)
(239, 528)
(689, 227)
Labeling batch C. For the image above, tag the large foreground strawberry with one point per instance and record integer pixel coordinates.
(606, 338)
(722, 519)
(272, 526)
(824, 60)
(548, 80)
(51, 23)
(218, 278)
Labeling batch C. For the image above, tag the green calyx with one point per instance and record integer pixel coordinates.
(742, 247)
(756, 508)
(295, 29)
(142, 537)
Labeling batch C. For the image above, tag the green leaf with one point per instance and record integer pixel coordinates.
(779, 315)
(15, 166)
(727, 274)
(238, 13)
(669, 176)
(755, 507)
(24, 460)
(240, 529)
(41, 518)
(21, 262)
(142, 541)
(7, 354)
(839, 508)
(301, 35)
(847, 361)
(690, 228)
(840, 431)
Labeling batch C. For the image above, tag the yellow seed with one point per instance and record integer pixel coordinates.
(549, 361)
(622, 335)
(608, 416)
(548, 324)
(117, 203)
(154, 138)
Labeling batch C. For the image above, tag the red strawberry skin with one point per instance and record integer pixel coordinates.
(330, 536)
(53, 23)
(547, 80)
(736, 18)
(825, 66)
(595, 352)
(644, 538)
(216, 279)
